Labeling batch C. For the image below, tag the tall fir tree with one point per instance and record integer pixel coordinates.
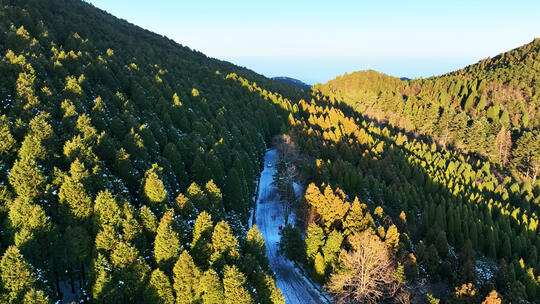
(159, 289)
(186, 277)
(211, 288)
(167, 244)
(234, 286)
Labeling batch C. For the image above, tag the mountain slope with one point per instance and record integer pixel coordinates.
(127, 162)
(481, 109)
(519, 66)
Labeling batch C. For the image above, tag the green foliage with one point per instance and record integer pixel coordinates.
(357, 219)
(430, 299)
(233, 284)
(103, 125)
(224, 245)
(154, 190)
(331, 248)
(167, 245)
(186, 279)
(447, 197)
(256, 247)
(159, 289)
(501, 90)
(319, 267)
(16, 275)
(102, 128)
(201, 245)
(314, 241)
(526, 155)
(288, 244)
(27, 179)
(211, 288)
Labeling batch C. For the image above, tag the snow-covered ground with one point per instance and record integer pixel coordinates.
(295, 287)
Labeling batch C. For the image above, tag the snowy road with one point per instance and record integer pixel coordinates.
(268, 217)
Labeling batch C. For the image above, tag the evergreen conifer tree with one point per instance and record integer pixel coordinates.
(159, 289)
(186, 277)
(167, 244)
(211, 288)
(234, 286)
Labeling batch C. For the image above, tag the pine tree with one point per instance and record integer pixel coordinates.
(314, 241)
(175, 158)
(526, 155)
(211, 288)
(201, 244)
(27, 179)
(467, 271)
(186, 279)
(491, 249)
(331, 205)
(198, 198)
(34, 296)
(319, 267)
(275, 293)
(224, 244)
(358, 218)
(7, 141)
(233, 285)
(256, 247)
(232, 194)
(331, 247)
(199, 171)
(73, 192)
(148, 221)
(167, 244)
(16, 274)
(106, 211)
(215, 199)
(392, 239)
(291, 244)
(469, 103)
(154, 189)
(78, 244)
(184, 205)
(159, 289)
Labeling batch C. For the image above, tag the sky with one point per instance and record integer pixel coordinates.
(315, 41)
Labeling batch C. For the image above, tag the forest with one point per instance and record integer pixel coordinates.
(490, 110)
(129, 166)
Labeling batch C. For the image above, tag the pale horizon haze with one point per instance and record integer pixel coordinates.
(315, 41)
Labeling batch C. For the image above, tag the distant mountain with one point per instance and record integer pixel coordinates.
(293, 82)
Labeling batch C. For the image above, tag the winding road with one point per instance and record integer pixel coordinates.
(296, 288)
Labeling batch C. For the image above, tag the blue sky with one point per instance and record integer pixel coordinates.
(317, 40)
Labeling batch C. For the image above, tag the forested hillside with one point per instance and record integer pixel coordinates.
(491, 109)
(127, 163)
(394, 219)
